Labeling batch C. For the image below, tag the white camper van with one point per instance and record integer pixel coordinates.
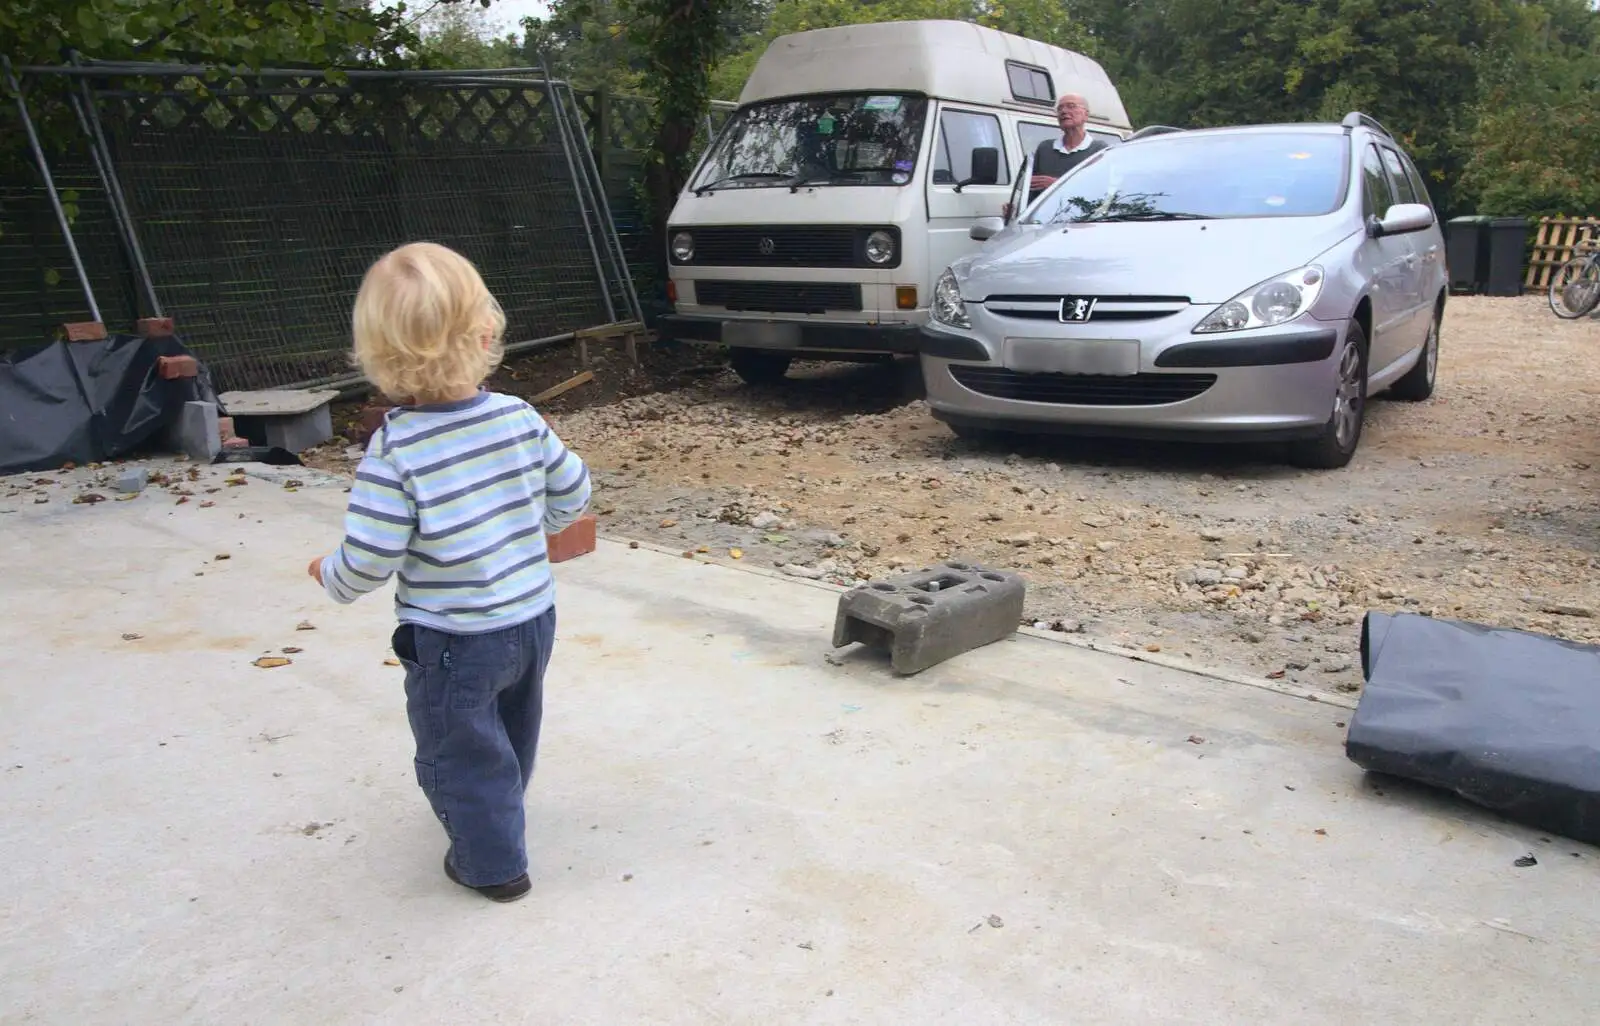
(849, 178)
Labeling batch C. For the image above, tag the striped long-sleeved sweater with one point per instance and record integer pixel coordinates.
(456, 498)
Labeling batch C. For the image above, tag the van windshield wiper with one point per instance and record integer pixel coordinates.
(808, 178)
(765, 175)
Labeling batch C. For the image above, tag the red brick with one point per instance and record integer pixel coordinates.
(84, 331)
(225, 428)
(155, 327)
(576, 540)
(236, 443)
(174, 367)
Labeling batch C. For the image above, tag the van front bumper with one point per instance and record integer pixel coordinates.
(798, 337)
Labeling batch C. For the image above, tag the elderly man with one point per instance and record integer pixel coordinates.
(1056, 157)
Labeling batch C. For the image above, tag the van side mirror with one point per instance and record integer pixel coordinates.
(985, 167)
(985, 228)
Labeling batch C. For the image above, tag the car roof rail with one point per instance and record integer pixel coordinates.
(1356, 119)
(1150, 130)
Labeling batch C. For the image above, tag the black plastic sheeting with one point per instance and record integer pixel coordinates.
(88, 402)
(1507, 719)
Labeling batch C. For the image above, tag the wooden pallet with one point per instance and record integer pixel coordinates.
(1554, 245)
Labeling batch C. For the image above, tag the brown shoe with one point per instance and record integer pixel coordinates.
(511, 890)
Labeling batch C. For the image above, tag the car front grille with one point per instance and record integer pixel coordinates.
(1107, 309)
(776, 246)
(1082, 389)
(779, 296)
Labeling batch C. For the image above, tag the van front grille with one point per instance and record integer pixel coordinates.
(801, 297)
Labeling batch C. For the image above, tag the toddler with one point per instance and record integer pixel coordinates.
(456, 495)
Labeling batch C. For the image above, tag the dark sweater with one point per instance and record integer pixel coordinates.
(1047, 160)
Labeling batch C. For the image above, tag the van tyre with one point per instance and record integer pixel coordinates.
(1337, 442)
(1418, 383)
(759, 366)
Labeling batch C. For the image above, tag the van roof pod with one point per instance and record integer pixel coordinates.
(947, 60)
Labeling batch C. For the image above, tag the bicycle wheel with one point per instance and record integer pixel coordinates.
(1575, 288)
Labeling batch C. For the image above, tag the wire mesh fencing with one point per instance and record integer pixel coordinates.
(257, 204)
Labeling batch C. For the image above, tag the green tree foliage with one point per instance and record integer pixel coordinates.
(240, 32)
(461, 35)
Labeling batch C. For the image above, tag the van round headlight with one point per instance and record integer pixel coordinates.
(683, 247)
(880, 247)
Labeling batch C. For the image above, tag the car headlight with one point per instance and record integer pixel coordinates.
(880, 247)
(1274, 301)
(947, 306)
(683, 247)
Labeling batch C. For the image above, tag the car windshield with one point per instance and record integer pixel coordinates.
(843, 139)
(1193, 177)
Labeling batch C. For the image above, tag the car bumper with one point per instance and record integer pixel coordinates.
(1264, 386)
(798, 337)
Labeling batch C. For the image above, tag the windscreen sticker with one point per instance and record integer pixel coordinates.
(881, 103)
(903, 165)
(900, 178)
(825, 125)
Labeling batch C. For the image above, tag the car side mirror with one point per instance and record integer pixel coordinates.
(985, 167)
(1401, 219)
(986, 228)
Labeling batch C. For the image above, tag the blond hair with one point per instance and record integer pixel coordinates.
(425, 325)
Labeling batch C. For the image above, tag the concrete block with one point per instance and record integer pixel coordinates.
(131, 480)
(577, 540)
(225, 428)
(195, 434)
(933, 614)
(292, 420)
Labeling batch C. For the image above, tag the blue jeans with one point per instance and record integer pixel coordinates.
(474, 702)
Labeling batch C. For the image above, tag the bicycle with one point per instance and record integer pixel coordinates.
(1575, 287)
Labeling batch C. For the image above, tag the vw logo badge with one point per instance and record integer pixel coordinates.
(767, 247)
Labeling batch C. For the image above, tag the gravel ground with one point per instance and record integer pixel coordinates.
(1477, 505)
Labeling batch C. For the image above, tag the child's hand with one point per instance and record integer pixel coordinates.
(315, 570)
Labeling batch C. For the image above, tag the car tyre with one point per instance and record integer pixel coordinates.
(1336, 443)
(759, 366)
(1418, 383)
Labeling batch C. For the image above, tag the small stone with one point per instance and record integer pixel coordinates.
(1563, 609)
(796, 570)
(765, 521)
(1336, 666)
(1206, 577)
(1105, 546)
(1211, 534)
(1023, 540)
(1236, 573)
(1254, 637)
(1297, 664)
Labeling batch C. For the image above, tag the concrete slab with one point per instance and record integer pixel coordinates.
(728, 824)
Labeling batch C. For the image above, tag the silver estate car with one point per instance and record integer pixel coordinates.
(1253, 283)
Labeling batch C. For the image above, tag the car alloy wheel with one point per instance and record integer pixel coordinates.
(1348, 398)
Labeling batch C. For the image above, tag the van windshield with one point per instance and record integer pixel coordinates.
(839, 139)
(1203, 176)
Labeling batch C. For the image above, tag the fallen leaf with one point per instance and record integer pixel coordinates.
(736, 553)
(291, 650)
(305, 625)
(669, 523)
(996, 922)
(88, 499)
(1196, 739)
(127, 498)
(41, 500)
(181, 500)
(293, 483)
(207, 504)
(1152, 648)
(633, 545)
(688, 555)
(391, 662)
(1321, 832)
(272, 662)
(1525, 862)
(224, 555)
(69, 465)
(702, 550)
(1277, 674)
(130, 636)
